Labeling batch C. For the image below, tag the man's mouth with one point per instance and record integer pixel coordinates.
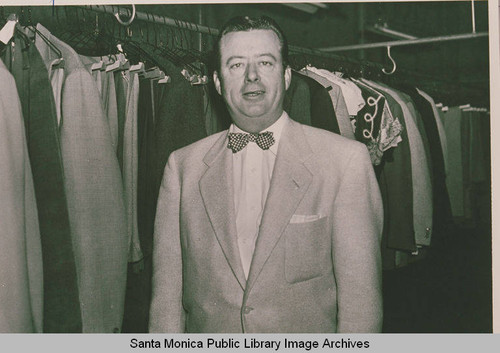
(254, 94)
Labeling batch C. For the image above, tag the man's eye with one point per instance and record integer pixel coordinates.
(266, 63)
(235, 66)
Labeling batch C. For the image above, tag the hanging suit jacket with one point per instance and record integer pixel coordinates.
(339, 105)
(94, 193)
(55, 73)
(321, 106)
(180, 117)
(441, 201)
(21, 276)
(395, 180)
(466, 162)
(61, 303)
(138, 296)
(439, 125)
(421, 182)
(297, 100)
(452, 122)
(479, 142)
(316, 265)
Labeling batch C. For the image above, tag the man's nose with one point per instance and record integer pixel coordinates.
(252, 74)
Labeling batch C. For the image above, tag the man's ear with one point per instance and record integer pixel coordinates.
(288, 77)
(217, 83)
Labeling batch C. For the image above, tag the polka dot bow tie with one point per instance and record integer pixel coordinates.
(238, 140)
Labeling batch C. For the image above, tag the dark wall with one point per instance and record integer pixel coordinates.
(456, 69)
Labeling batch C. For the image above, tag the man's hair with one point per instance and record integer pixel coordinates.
(246, 23)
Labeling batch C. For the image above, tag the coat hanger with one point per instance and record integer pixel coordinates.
(120, 61)
(153, 74)
(139, 68)
(79, 36)
(59, 62)
(135, 49)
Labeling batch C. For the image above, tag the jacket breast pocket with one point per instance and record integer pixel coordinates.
(307, 245)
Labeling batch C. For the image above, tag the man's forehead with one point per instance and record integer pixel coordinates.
(250, 39)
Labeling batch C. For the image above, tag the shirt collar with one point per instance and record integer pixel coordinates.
(276, 128)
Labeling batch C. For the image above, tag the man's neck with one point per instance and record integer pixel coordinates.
(256, 125)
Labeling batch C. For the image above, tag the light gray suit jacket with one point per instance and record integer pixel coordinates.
(94, 191)
(21, 272)
(316, 265)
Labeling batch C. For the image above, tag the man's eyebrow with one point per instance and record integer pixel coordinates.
(233, 57)
(268, 54)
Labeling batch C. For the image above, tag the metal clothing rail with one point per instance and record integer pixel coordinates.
(326, 53)
(162, 20)
(395, 43)
(147, 17)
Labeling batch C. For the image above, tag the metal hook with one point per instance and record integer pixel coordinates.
(393, 62)
(129, 22)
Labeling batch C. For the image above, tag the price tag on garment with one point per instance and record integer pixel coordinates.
(7, 32)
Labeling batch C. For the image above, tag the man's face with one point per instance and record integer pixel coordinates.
(251, 78)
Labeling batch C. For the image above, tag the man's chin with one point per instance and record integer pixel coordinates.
(253, 115)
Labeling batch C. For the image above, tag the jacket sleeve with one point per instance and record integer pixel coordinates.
(357, 228)
(166, 312)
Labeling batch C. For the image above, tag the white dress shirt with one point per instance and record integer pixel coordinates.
(252, 172)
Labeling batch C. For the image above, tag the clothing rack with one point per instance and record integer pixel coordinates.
(332, 61)
(152, 18)
(190, 26)
(323, 52)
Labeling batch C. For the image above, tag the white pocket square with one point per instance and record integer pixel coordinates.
(304, 218)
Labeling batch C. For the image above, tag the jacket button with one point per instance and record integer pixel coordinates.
(116, 330)
(427, 232)
(247, 310)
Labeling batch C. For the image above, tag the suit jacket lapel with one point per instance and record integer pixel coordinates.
(216, 187)
(289, 183)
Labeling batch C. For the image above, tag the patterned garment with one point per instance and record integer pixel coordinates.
(375, 125)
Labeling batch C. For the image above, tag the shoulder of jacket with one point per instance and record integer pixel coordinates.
(325, 136)
(199, 146)
(332, 146)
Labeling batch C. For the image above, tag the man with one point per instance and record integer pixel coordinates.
(270, 232)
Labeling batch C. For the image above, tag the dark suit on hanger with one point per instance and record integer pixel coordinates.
(342, 118)
(61, 303)
(442, 209)
(138, 295)
(180, 119)
(170, 116)
(321, 106)
(396, 187)
(297, 101)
